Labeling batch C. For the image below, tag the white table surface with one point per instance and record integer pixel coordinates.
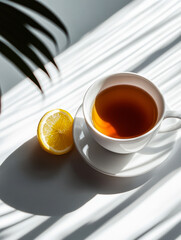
(60, 197)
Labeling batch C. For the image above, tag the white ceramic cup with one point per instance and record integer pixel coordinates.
(135, 144)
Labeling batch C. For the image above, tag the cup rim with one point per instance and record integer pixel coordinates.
(122, 139)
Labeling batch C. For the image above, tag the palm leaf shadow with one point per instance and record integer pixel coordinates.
(41, 9)
(18, 38)
(12, 56)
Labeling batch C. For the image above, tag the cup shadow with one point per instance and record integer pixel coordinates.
(33, 181)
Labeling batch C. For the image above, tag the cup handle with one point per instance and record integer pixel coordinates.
(175, 126)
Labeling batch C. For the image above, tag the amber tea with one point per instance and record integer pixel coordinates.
(124, 111)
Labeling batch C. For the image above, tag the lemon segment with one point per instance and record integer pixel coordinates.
(55, 132)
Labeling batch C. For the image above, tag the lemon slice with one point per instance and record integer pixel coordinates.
(55, 132)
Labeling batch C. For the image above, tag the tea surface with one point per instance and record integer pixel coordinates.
(124, 111)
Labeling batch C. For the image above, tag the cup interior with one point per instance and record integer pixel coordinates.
(121, 79)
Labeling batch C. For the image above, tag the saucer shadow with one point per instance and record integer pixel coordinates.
(33, 181)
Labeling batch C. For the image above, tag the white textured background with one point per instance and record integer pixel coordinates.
(71, 201)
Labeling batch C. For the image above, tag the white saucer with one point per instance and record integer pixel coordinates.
(118, 165)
